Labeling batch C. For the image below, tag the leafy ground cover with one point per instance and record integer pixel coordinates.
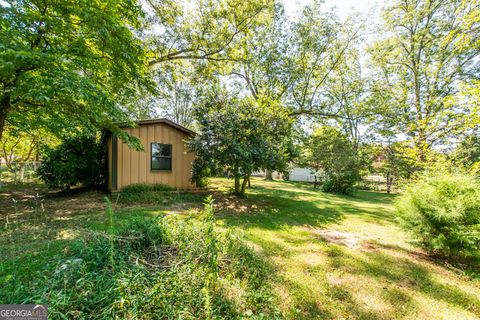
(319, 255)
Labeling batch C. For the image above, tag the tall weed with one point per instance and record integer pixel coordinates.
(162, 268)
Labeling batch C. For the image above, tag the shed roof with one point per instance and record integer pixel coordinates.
(167, 122)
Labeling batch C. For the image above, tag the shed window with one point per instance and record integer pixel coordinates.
(161, 156)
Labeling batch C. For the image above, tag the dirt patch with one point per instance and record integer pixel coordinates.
(237, 205)
(184, 208)
(22, 203)
(348, 239)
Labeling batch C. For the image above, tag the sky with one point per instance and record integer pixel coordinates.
(343, 7)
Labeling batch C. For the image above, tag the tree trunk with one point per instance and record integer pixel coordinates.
(421, 145)
(244, 184)
(315, 182)
(389, 182)
(237, 184)
(249, 182)
(4, 108)
(21, 172)
(268, 175)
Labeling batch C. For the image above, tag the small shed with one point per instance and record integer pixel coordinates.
(301, 174)
(165, 158)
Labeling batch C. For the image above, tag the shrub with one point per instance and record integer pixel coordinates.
(78, 160)
(200, 173)
(444, 213)
(341, 181)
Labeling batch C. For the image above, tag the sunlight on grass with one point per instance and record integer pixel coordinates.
(368, 269)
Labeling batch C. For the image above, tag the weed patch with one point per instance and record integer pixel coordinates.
(154, 194)
(156, 268)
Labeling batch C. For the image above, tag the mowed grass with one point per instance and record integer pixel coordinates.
(332, 256)
(340, 257)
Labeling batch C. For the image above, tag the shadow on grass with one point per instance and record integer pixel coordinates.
(396, 282)
(403, 280)
(469, 267)
(279, 208)
(273, 212)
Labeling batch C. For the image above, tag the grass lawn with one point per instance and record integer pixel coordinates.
(339, 257)
(334, 257)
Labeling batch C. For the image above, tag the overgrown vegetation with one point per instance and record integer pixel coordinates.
(79, 160)
(154, 194)
(155, 268)
(444, 213)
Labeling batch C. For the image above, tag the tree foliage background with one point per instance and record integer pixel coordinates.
(409, 87)
(239, 137)
(69, 66)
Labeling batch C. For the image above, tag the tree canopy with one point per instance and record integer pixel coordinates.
(332, 159)
(241, 136)
(421, 61)
(67, 66)
(408, 86)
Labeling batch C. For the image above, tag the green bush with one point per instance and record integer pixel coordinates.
(341, 181)
(78, 160)
(444, 213)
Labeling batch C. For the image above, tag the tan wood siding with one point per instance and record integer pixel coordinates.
(135, 166)
(109, 156)
(142, 160)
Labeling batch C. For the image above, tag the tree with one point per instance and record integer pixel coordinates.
(331, 156)
(347, 91)
(265, 72)
(396, 161)
(191, 47)
(68, 65)
(467, 154)
(420, 64)
(209, 31)
(290, 61)
(20, 147)
(321, 42)
(240, 136)
(178, 85)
